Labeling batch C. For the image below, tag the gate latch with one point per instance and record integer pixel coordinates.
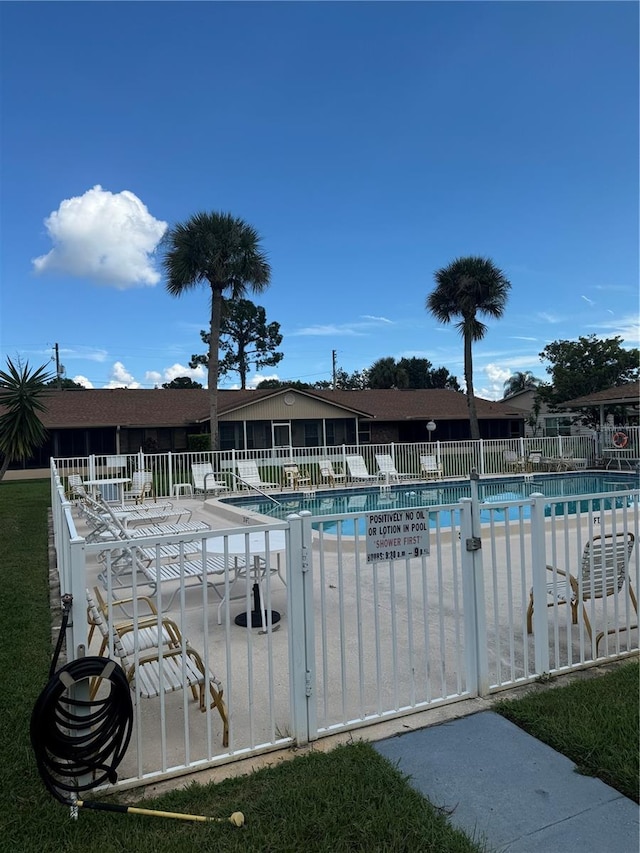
(473, 543)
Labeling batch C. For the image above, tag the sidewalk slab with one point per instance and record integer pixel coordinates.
(505, 787)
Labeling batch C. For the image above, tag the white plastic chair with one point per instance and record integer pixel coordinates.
(358, 469)
(430, 468)
(204, 479)
(327, 472)
(603, 571)
(388, 468)
(250, 476)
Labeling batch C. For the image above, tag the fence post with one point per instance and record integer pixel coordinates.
(539, 568)
(301, 635)
(476, 657)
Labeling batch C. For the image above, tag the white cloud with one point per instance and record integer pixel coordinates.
(198, 374)
(121, 378)
(495, 373)
(549, 318)
(82, 380)
(377, 319)
(108, 238)
(497, 376)
(357, 328)
(628, 328)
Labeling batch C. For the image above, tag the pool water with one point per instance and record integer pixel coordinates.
(410, 495)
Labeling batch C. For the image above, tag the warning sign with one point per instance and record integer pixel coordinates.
(397, 534)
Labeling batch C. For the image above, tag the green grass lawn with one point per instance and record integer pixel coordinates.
(350, 799)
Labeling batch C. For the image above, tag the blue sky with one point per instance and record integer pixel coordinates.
(368, 143)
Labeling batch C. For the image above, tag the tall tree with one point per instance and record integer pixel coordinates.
(465, 288)
(520, 381)
(385, 373)
(225, 252)
(279, 383)
(21, 398)
(585, 366)
(422, 374)
(245, 337)
(182, 382)
(62, 382)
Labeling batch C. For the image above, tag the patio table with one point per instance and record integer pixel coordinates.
(619, 455)
(257, 548)
(98, 486)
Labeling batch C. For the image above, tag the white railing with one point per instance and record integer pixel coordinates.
(357, 643)
(457, 459)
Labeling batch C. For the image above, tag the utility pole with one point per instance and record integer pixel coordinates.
(58, 368)
(333, 371)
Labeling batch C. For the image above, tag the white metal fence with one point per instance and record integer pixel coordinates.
(357, 643)
(456, 459)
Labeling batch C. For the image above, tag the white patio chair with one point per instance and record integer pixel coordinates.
(205, 480)
(327, 472)
(76, 488)
(430, 467)
(603, 571)
(294, 478)
(141, 487)
(249, 476)
(358, 469)
(388, 468)
(512, 461)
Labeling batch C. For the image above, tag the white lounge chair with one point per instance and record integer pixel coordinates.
(358, 469)
(430, 467)
(249, 476)
(388, 468)
(204, 479)
(141, 513)
(327, 472)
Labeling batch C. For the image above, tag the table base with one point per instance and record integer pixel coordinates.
(259, 619)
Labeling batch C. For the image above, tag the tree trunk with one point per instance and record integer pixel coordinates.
(214, 358)
(471, 400)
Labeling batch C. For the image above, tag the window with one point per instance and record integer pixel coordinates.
(557, 426)
(330, 431)
(312, 434)
(364, 433)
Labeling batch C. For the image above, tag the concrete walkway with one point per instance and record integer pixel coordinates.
(504, 787)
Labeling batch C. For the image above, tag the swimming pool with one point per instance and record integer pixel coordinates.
(431, 495)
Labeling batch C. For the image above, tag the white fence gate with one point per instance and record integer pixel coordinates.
(356, 642)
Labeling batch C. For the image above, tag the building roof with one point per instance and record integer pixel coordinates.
(418, 404)
(172, 407)
(619, 395)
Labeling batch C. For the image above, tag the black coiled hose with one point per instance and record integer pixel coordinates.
(74, 738)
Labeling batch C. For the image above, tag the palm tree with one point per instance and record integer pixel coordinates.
(466, 287)
(385, 373)
(225, 252)
(21, 430)
(520, 381)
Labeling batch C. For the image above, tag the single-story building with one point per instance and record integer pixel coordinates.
(80, 422)
(623, 400)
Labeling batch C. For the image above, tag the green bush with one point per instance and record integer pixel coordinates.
(201, 441)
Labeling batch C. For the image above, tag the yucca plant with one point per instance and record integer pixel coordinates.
(21, 399)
